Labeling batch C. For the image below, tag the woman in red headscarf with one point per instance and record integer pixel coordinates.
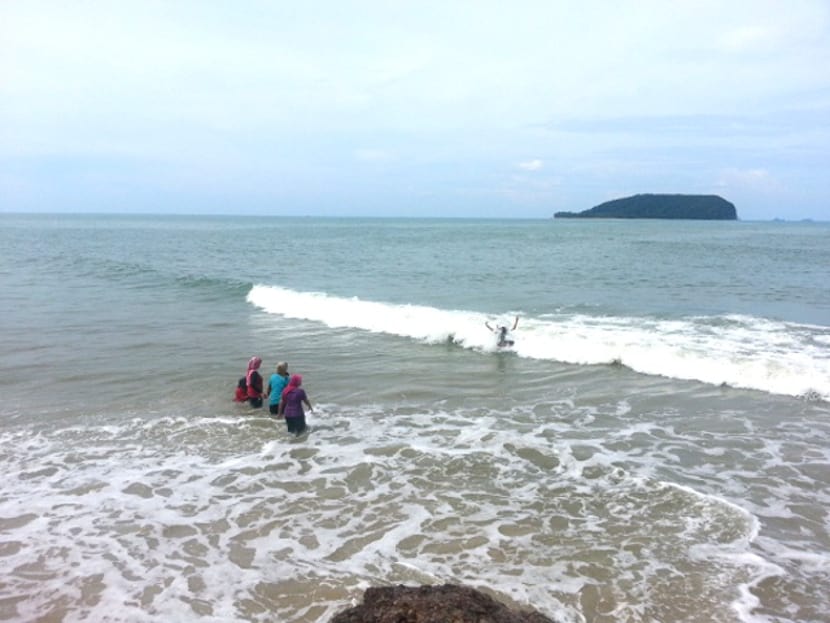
(253, 380)
(291, 405)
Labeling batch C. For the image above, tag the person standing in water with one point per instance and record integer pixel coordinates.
(253, 381)
(276, 384)
(241, 394)
(291, 405)
(503, 333)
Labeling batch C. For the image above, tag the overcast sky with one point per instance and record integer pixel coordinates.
(427, 108)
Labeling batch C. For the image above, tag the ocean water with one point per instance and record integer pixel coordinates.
(655, 447)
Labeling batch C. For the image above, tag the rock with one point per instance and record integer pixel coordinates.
(698, 207)
(448, 603)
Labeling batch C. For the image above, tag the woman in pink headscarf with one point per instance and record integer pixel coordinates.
(253, 381)
(291, 405)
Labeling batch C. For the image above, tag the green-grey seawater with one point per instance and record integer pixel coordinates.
(656, 445)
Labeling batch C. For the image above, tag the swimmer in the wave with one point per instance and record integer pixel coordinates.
(503, 333)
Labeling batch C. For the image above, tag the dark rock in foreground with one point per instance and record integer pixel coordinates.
(448, 603)
(698, 207)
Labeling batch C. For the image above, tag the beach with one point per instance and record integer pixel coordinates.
(655, 447)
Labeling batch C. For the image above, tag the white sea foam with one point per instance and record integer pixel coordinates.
(631, 504)
(738, 351)
(229, 519)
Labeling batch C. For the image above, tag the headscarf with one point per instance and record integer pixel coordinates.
(293, 383)
(253, 365)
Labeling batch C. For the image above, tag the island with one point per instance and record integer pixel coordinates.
(699, 207)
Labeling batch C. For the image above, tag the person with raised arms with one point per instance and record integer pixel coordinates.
(504, 338)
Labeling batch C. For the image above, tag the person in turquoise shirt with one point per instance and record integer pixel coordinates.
(276, 384)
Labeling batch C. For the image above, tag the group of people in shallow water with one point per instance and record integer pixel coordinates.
(285, 394)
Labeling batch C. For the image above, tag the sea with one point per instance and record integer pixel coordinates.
(655, 447)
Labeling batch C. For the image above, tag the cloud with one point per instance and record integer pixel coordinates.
(747, 179)
(746, 38)
(392, 96)
(531, 165)
(369, 154)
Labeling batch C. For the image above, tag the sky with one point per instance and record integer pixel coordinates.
(418, 109)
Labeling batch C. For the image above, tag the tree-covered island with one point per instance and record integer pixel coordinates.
(699, 207)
